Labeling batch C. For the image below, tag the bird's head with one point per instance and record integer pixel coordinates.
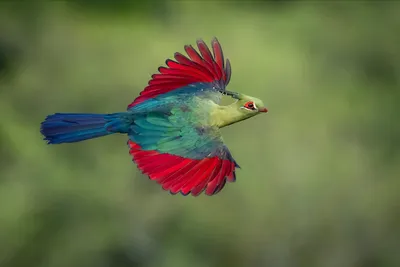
(250, 105)
(243, 108)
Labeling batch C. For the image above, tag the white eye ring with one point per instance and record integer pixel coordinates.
(251, 109)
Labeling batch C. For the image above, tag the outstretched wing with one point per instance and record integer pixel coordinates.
(179, 153)
(203, 67)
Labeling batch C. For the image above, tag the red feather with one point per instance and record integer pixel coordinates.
(179, 174)
(198, 67)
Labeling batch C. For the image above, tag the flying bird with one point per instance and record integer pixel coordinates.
(174, 124)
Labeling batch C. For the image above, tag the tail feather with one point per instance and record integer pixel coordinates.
(74, 127)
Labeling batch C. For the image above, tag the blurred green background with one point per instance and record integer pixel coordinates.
(320, 178)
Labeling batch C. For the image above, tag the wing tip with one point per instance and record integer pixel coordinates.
(200, 40)
(214, 39)
(204, 191)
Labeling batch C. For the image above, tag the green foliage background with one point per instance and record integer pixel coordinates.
(319, 184)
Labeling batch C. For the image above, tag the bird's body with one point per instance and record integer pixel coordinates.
(174, 125)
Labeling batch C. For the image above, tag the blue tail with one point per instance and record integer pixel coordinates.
(74, 127)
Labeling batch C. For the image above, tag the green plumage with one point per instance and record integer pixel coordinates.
(186, 124)
(185, 129)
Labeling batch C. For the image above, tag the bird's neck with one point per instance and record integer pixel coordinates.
(227, 115)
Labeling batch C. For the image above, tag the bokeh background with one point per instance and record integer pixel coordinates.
(320, 178)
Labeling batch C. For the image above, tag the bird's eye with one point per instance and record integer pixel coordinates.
(249, 105)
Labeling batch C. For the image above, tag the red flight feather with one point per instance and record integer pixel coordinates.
(203, 67)
(178, 174)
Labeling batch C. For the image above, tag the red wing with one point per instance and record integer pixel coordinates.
(204, 67)
(178, 174)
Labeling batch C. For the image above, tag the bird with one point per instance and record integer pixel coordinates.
(174, 124)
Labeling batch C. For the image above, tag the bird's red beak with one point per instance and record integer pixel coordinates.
(265, 110)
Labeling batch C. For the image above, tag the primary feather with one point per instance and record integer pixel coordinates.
(197, 68)
(174, 124)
